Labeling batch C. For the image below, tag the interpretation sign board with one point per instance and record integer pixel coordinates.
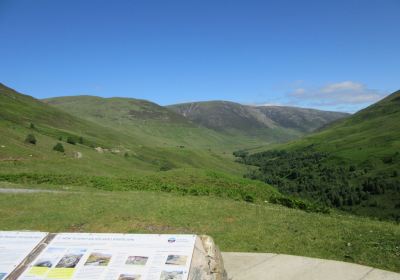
(14, 247)
(113, 256)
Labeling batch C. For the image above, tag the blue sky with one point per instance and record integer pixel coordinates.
(333, 55)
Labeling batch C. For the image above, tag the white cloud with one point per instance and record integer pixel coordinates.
(343, 86)
(299, 92)
(346, 94)
(267, 104)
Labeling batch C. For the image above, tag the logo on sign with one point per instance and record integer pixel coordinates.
(171, 240)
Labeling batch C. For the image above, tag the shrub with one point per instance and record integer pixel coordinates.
(30, 138)
(59, 148)
(71, 140)
(248, 198)
(32, 126)
(241, 154)
(299, 204)
(373, 203)
(166, 165)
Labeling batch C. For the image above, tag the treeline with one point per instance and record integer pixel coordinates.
(324, 179)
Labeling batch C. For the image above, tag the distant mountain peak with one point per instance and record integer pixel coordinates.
(225, 115)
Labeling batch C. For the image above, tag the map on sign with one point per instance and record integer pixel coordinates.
(113, 256)
(14, 247)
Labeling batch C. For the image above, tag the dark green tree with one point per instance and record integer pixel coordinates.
(59, 148)
(241, 154)
(71, 140)
(30, 138)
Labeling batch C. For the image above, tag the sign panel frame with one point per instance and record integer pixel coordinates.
(15, 246)
(78, 256)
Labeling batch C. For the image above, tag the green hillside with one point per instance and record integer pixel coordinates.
(150, 123)
(120, 153)
(354, 164)
(106, 158)
(269, 123)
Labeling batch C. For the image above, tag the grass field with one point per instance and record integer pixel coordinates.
(235, 225)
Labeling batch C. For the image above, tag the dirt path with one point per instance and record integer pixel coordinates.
(16, 190)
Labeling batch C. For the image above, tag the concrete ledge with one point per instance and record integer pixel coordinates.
(264, 266)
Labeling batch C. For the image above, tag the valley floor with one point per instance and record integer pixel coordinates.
(235, 225)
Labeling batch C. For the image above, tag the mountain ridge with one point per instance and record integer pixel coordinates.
(145, 120)
(227, 115)
(245, 123)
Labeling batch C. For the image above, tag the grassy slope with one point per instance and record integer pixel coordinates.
(236, 226)
(193, 169)
(368, 137)
(373, 132)
(366, 140)
(18, 111)
(154, 125)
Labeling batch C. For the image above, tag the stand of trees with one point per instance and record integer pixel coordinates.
(321, 178)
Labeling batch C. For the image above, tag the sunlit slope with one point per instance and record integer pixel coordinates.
(21, 115)
(353, 164)
(21, 110)
(149, 122)
(371, 133)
